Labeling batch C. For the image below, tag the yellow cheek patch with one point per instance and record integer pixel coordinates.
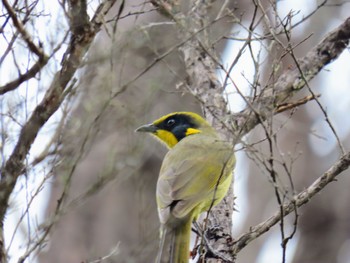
(166, 137)
(192, 131)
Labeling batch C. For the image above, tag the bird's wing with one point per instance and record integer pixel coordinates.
(190, 172)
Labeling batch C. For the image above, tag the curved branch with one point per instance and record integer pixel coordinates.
(36, 49)
(24, 77)
(300, 199)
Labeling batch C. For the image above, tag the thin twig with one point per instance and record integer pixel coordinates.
(300, 199)
(292, 105)
(38, 50)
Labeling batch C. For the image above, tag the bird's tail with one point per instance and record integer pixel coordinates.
(175, 244)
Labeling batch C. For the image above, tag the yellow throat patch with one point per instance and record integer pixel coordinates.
(166, 137)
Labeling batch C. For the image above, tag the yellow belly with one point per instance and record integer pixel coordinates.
(214, 197)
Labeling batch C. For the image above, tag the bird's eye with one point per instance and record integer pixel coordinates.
(170, 122)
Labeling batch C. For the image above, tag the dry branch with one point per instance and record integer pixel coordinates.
(24, 77)
(36, 49)
(286, 86)
(293, 80)
(292, 105)
(203, 83)
(300, 199)
(82, 36)
(200, 65)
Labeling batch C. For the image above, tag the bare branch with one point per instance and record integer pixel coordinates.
(25, 35)
(82, 36)
(292, 105)
(300, 199)
(36, 49)
(292, 80)
(28, 75)
(205, 87)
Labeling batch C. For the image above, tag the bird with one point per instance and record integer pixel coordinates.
(195, 175)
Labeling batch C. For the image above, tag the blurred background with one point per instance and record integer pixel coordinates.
(112, 171)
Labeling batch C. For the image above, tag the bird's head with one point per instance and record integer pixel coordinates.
(172, 128)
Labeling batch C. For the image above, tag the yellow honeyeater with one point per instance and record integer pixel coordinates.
(196, 174)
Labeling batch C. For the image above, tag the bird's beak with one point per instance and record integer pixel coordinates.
(147, 128)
